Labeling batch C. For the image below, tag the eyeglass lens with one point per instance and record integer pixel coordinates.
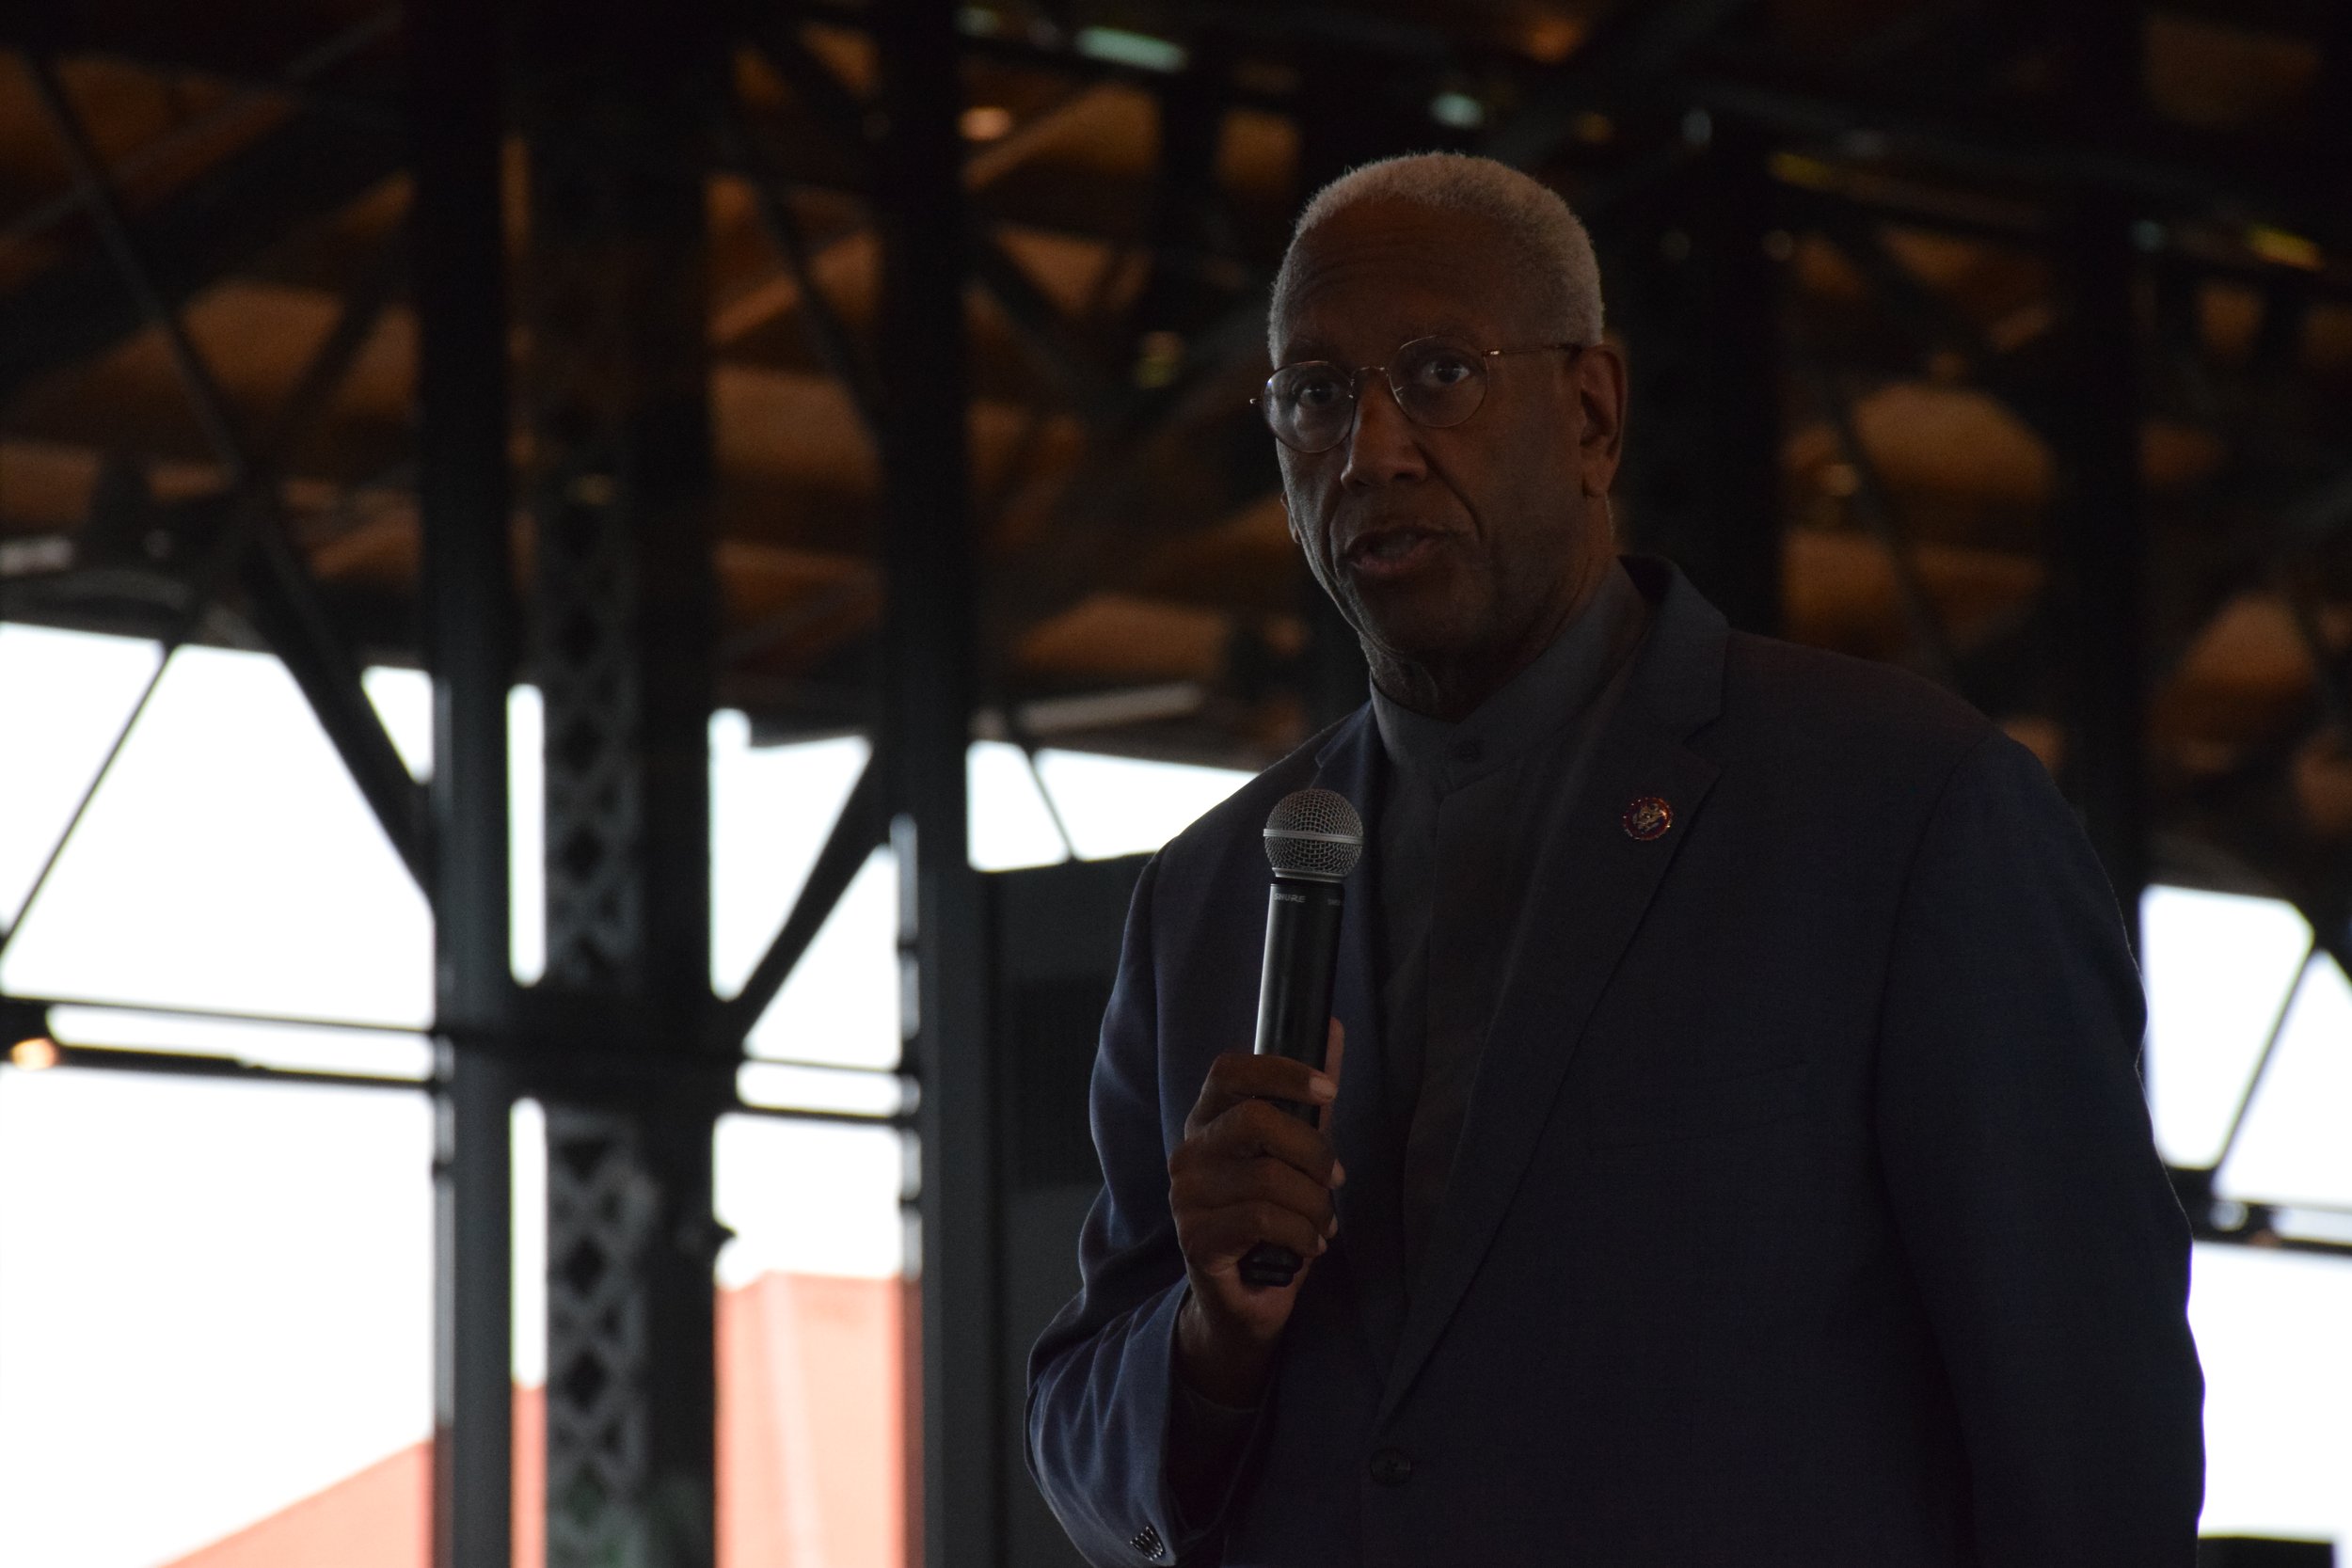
(1438, 382)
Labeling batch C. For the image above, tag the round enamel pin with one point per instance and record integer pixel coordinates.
(1647, 818)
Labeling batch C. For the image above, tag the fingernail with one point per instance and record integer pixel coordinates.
(1320, 1088)
(1322, 1247)
(1331, 1228)
(1339, 1174)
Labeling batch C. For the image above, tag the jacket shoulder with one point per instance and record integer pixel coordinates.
(1787, 702)
(1240, 816)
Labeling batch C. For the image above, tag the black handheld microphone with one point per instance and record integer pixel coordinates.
(1314, 840)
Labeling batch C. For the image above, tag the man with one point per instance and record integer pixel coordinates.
(1731, 1150)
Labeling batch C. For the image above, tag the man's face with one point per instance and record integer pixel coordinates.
(1456, 545)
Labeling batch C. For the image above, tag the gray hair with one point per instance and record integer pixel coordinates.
(1562, 274)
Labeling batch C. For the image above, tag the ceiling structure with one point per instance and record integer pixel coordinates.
(1913, 175)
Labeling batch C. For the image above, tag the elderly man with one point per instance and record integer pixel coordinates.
(1730, 1148)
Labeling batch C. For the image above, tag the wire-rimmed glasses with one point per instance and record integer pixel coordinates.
(1438, 381)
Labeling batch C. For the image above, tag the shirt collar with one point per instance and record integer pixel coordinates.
(1531, 705)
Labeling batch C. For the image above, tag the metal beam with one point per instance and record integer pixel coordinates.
(928, 701)
(837, 346)
(2097, 541)
(153, 153)
(2168, 170)
(331, 364)
(1043, 333)
(285, 601)
(1930, 646)
(456, 67)
(1697, 297)
(828, 99)
(15, 1025)
(273, 49)
(312, 164)
(183, 1064)
(1180, 458)
(857, 832)
(1633, 48)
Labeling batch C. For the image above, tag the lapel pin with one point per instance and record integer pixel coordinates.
(1647, 818)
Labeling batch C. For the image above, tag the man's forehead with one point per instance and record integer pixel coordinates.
(1382, 269)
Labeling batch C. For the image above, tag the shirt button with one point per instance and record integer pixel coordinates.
(1469, 751)
(1391, 1467)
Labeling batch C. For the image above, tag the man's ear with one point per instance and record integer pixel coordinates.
(1598, 376)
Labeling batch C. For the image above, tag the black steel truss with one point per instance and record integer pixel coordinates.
(627, 1043)
(611, 98)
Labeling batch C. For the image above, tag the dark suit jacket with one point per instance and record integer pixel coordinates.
(1807, 1210)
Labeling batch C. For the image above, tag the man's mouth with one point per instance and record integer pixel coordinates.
(1391, 551)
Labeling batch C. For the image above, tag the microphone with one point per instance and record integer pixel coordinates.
(1314, 839)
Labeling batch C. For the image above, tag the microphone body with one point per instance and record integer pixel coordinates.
(1302, 952)
(1314, 840)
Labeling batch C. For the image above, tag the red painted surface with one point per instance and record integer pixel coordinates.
(374, 1519)
(812, 1434)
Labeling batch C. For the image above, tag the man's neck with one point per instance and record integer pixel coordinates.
(1450, 689)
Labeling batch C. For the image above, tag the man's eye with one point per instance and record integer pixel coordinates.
(1315, 392)
(1441, 370)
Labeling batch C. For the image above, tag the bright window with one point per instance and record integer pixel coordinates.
(216, 1297)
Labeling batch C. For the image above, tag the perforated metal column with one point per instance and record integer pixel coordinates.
(615, 296)
(629, 1400)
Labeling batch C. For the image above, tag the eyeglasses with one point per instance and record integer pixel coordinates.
(1438, 382)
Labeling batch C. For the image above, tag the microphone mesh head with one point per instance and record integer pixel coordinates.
(1314, 833)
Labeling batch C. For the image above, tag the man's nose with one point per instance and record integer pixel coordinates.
(1381, 449)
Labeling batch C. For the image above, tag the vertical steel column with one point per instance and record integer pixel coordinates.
(928, 659)
(2096, 569)
(457, 244)
(1697, 295)
(615, 99)
(2095, 543)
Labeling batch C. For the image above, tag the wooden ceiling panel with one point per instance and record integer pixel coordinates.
(1257, 158)
(1841, 591)
(1990, 284)
(1119, 637)
(2327, 340)
(45, 487)
(2218, 78)
(2246, 673)
(1246, 562)
(2322, 774)
(777, 427)
(1953, 440)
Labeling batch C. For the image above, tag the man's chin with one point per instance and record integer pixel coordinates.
(1417, 634)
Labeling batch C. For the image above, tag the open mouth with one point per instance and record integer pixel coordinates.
(1391, 550)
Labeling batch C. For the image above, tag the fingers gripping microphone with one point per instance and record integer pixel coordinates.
(1314, 840)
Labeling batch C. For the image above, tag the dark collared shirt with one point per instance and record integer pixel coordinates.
(1451, 875)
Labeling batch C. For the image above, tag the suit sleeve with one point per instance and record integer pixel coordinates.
(2031, 1206)
(1101, 1376)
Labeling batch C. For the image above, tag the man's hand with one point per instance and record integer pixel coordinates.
(1249, 1172)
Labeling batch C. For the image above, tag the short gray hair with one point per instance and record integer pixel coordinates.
(1563, 274)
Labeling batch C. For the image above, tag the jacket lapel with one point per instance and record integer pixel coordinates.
(1591, 885)
(1368, 1247)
